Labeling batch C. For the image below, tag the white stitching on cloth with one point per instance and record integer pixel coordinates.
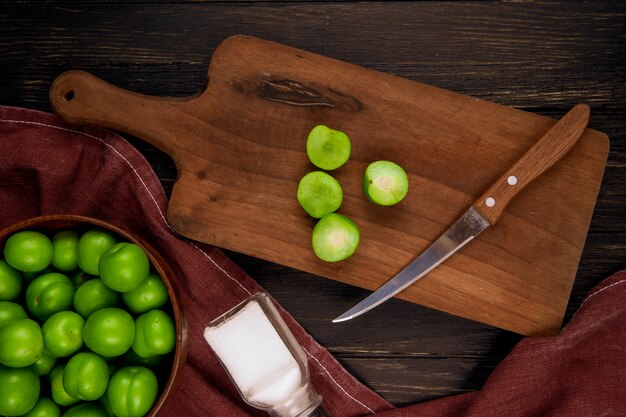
(215, 263)
(142, 183)
(336, 383)
(169, 227)
(600, 290)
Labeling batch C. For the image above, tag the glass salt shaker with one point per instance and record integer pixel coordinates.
(264, 360)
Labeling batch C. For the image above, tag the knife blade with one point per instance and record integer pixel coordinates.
(487, 209)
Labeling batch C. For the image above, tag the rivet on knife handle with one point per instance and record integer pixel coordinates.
(545, 153)
(487, 210)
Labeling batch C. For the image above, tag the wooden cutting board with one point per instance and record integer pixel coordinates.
(239, 147)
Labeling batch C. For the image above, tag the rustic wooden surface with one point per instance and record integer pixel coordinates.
(239, 148)
(540, 57)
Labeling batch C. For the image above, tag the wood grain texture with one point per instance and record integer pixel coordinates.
(239, 147)
(537, 56)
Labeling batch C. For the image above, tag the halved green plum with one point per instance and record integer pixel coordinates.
(385, 183)
(328, 148)
(335, 238)
(319, 194)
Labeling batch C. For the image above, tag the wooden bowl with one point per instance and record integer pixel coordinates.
(47, 224)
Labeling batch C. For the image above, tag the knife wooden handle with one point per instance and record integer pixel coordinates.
(545, 153)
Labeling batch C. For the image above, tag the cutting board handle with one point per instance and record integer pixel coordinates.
(82, 98)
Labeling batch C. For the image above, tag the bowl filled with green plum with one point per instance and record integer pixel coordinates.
(90, 323)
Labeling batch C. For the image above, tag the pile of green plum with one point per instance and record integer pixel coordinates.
(336, 237)
(84, 326)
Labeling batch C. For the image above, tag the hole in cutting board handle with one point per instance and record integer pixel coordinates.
(68, 96)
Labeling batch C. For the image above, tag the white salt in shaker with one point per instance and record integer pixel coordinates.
(264, 359)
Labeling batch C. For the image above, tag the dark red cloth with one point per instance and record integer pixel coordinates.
(580, 372)
(50, 167)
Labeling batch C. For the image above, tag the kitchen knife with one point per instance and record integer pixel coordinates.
(487, 209)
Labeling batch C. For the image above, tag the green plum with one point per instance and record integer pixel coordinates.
(28, 251)
(328, 148)
(29, 276)
(63, 333)
(91, 245)
(86, 376)
(104, 402)
(319, 194)
(10, 311)
(49, 294)
(59, 395)
(109, 332)
(149, 295)
(132, 391)
(94, 295)
(131, 358)
(44, 365)
(65, 250)
(79, 277)
(155, 334)
(19, 390)
(86, 410)
(80, 319)
(44, 407)
(10, 282)
(124, 267)
(21, 343)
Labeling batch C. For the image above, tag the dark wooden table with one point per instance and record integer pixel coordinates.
(542, 57)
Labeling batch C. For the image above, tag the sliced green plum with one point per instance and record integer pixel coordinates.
(319, 194)
(335, 238)
(385, 183)
(328, 148)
